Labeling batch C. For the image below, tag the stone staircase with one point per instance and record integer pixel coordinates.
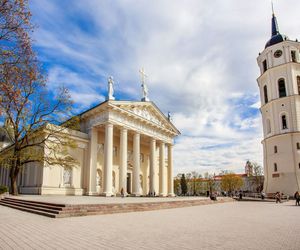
(54, 210)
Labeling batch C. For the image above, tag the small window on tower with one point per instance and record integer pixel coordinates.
(293, 55)
(275, 149)
(298, 145)
(298, 84)
(299, 165)
(284, 123)
(275, 167)
(265, 67)
(266, 94)
(281, 88)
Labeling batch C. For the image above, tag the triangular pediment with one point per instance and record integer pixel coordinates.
(148, 111)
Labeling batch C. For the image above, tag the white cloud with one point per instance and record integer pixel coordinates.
(200, 57)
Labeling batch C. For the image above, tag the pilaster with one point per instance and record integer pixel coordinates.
(92, 170)
(162, 189)
(170, 171)
(123, 160)
(152, 165)
(136, 165)
(108, 159)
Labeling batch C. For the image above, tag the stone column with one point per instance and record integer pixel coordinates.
(92, 173)
(136, 165)
(108, 159)
(162, 185)
(123, 161)
(152, 166)
(170, 171)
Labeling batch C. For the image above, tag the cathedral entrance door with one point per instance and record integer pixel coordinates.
(129, 183)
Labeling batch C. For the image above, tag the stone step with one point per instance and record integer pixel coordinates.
(49, 210)
(28, 202)
(99, 209)
(29, 210)
(35, 202)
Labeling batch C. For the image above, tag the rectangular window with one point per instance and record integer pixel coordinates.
(298, 84)
(299, 165)
(298, 145)
(275, 167)
(275, 149)
(265, 67)
(266, 94)
(293, 55)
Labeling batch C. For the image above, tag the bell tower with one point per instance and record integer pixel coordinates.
(279, 85)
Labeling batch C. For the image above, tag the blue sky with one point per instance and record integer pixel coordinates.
(200, 57)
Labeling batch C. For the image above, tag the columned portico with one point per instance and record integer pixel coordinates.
(170, 171)
(123, 161)
(108, 159)
(133, 157)
(136, 165)
(162, 186)
(152, 165)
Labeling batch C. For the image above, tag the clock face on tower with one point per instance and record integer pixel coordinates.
(278, 53)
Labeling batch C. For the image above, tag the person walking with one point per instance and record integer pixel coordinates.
(277, 197)
(297, 198)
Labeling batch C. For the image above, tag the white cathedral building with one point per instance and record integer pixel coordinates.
(279, 85)
(121, 145)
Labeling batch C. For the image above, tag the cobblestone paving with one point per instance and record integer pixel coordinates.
(234, 225)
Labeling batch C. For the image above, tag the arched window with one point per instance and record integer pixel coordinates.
(298, 145)
(268, 126)
(293, 56)
(298, 84)
(281, 88)
(284, 122)
(265, 67)
(266, 93)
(275, 167)
(275, 149)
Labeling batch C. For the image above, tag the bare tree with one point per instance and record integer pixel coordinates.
(25, 102)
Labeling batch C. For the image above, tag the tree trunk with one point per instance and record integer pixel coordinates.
(13, 181)
(14, 186)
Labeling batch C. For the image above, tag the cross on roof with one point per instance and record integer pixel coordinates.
(143, 75)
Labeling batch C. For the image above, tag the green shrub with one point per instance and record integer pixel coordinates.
(3, 189)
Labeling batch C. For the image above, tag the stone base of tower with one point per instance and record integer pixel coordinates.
(281, 163)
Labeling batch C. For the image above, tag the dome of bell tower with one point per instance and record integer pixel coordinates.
(276, 36)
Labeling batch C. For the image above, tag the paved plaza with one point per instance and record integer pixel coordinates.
(77, 200)
(234, 225)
